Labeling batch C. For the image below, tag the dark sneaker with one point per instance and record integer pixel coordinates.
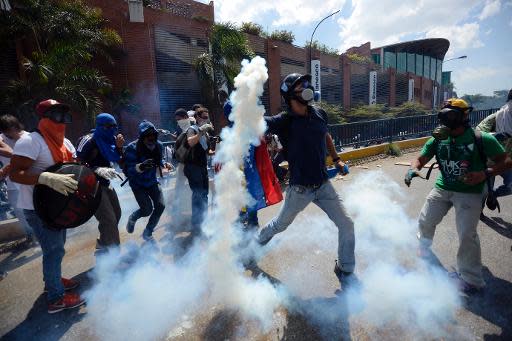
(346, 278)
(130, 225)
(463, 286)
(69, 284)
(68, 301)
(148, 236)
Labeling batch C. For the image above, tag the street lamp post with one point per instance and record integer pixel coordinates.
(311, 40)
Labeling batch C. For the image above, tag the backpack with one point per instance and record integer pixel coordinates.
(182, 151)
(491, 201)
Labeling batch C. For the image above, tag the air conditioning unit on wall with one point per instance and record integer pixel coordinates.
(136, 9)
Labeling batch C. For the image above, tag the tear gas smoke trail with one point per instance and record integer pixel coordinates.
(254, 298)
(147, 300)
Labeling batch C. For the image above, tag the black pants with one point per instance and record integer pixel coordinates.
(198, 181)
(151, 201)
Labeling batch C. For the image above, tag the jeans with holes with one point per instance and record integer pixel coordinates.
(52, 245)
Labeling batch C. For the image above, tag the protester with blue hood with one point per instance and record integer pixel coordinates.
(99, 150)
(142, 159)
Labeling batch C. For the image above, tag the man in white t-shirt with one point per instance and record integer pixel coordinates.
(32, 155)
(11, 131)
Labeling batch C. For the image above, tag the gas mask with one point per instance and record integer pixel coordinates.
(58, 115)
(184, 124)
(306, 95)
(450, 118)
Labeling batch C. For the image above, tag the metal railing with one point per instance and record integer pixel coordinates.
(366, 133)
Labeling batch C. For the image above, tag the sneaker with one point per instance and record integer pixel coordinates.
(69, 284)
(148, 236)
(68, 301)
(343, 276)
(130, 225)
(463, 286)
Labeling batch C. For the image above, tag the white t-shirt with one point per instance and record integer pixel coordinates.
(6, 160)
(33, 146)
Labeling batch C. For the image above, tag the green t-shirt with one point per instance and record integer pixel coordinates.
(459, 156)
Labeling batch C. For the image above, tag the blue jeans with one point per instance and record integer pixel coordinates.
(198, 181)
(325, 197)
(52, 245)
(506, 188)
(151, 201)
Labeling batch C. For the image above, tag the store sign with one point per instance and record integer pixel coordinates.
(373, 88)
(410, 97)
(316, 75)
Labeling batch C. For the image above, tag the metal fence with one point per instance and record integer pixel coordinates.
(393, 129)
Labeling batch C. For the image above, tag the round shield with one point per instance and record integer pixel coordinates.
(59, 211)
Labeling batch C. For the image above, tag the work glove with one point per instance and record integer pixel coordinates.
(411, 173)
(145, 165)
(107, 173)
(62, 183)
(205, 128)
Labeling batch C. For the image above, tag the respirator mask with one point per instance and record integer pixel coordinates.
(184, 124)
(306, 95)
(58, 115)
(450, 118)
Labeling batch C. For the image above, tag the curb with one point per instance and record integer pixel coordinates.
(362, 153)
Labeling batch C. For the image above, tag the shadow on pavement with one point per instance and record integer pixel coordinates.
(494, 305)
(499, 225)
(319, 318)
(39, 325)
(17, 259)
(224, 325)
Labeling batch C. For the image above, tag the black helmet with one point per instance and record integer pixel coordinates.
(290, 81)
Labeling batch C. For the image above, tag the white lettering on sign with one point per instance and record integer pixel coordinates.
(410, 98)
(316, 74)
(373, 88)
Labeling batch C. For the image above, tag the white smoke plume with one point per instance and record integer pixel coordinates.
(148, 299)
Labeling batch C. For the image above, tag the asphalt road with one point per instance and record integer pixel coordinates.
(304, 269)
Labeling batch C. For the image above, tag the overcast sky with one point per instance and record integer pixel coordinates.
(482, 30)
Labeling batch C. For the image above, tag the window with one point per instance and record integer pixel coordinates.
(419, 65)
(426, 66)
(439, 70)
(389, 60)
(433, 68)
(411, 63)
(376, 58)
(401, 62)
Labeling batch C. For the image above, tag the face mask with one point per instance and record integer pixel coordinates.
(59, 116)
(150, 145)
(202, 122)
(449, 119)
(306, 95)
(184, 124)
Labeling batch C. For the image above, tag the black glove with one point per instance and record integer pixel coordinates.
(501, 136)
(146, 165)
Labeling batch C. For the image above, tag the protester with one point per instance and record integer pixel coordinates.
(33, 154)
(99, 150)
(12, 131)
(500, 123)
(180, 188)
(461, 183)
(196, 166)
(302, 130)
(142, 158)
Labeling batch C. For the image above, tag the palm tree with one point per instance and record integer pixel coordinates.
(219, 66)
(64, 37)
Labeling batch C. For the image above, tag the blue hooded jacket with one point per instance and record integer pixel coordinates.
(137, 152)
(105, 138)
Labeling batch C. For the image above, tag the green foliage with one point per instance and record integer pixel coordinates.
(357, 58)
(409, 109)
(381, 111)
(67, 35)
(252, 28)
(283, 35)
(393, 150)
(334, 112)
(322, 48)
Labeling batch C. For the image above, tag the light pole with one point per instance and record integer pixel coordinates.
(311, 40)
(461, 57)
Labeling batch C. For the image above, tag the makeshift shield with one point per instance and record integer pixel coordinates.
(58, 211)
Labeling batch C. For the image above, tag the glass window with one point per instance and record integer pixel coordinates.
(411, 63)
(389, 60)
(376, 58)
(419, 65)
(446, 77)
(401, 62)
(426, 66)
(439, 70)
(433, 68)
